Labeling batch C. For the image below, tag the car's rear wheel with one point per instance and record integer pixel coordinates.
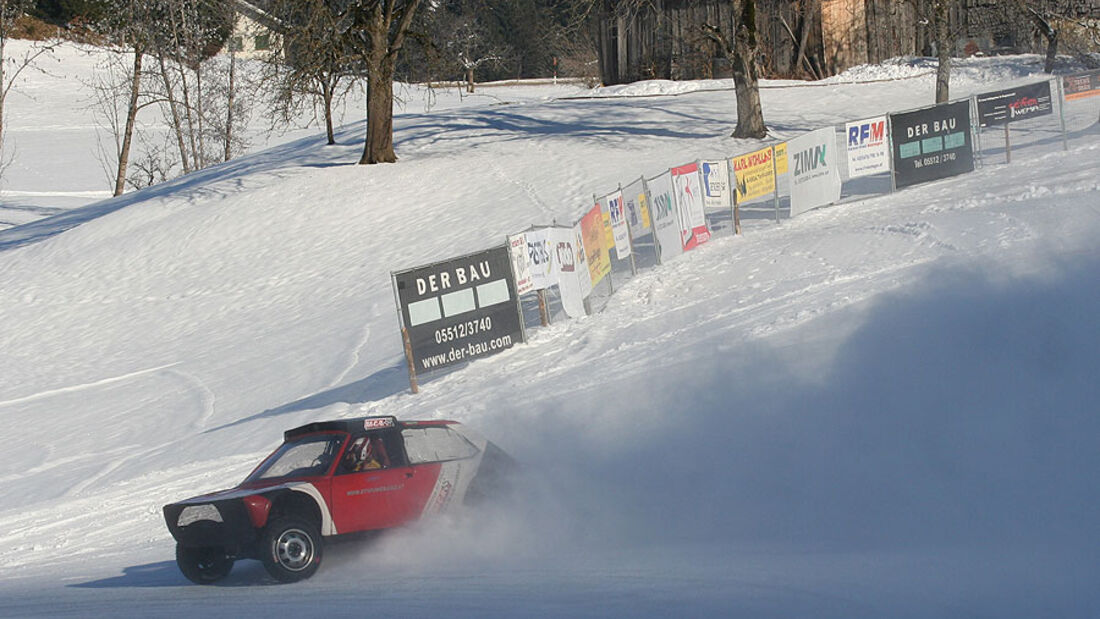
(291, 549)
(203, 566)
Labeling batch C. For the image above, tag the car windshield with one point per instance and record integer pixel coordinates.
(305, 457)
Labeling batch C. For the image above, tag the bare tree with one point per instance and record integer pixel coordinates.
(12, 68)
(314, 64)
(378, 29)
(467, 44)
(742, 53)
(1052, 18)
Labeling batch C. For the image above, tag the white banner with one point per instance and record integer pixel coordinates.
(569, 275)
(716, 184)
(517, 246)
(540, 259)
(584, 271)
(867, 146)
(637, 209)
(815, 175)
(689, 201)
(619, 231)
(666, 221)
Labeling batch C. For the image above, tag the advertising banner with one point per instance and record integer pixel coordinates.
(716, 184)
(460, 309)
(754, 174)
(1081, 86)
(1019, 103)
(815, 179)
(666, 221)
(637, 209)
(620, 233)
(868, 149)
(540, 259)
(563, 242)
(689, 202)
(931, 143)
(592, 238)
(517, 248)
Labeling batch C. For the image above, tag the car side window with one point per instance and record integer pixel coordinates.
(435, 444)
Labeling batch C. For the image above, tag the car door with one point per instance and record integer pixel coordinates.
(378, 498)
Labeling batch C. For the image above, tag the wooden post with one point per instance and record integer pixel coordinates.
(775, 179)
(732, 176)
(629, 232)
(1062, 113)
(409, 359)
(1008, 144)
(544, 312)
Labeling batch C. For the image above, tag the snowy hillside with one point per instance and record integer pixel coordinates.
(881, 408)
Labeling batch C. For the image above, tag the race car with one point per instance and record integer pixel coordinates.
(328, 479)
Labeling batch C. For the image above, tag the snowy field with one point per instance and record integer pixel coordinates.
(885, 408)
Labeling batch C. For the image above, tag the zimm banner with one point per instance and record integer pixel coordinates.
(460, 309)
(1081, 86)
(815, 174)
(666, 220)
(620, 231)
(1013, 104)
(931, 143)
(867, 146)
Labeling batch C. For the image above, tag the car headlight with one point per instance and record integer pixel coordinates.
(195, 513)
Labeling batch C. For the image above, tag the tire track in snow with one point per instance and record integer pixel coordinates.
(85, 386)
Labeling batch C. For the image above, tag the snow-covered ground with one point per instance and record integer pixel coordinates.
(883, 408)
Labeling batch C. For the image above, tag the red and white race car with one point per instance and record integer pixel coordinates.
(332, 478)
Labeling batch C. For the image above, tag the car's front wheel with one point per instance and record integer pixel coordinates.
(203, 566)
(291, 549)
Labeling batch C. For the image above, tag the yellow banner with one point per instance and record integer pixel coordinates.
(781, 158)
(592, 231)
(643, 205)
(754, 174)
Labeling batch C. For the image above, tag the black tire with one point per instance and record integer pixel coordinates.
(291, 549)
(203, 566)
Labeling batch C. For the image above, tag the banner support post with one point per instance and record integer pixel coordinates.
(775, 175)
(406, 342)
(1062, 113)
(734, 207)
(976, 128)
(629, 233)
(1008, 144)
(652, 220)
(544, 313)
(413, 386)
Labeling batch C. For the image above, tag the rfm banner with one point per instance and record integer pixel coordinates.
(1081, 86)
(460, 309)
(931, 143)
(1004, 106)
(868, 150)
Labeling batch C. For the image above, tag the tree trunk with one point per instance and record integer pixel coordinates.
(177, 126)
(943, 51)
(131, 118)
(327, 94)
(750, 116)
(1052, 52)
(379, 144)
(229, 107)
(469, 79)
